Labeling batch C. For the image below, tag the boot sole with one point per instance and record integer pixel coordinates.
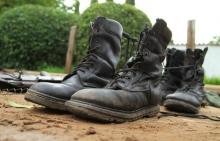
(103, 114)
(180, 106)
(45, 100)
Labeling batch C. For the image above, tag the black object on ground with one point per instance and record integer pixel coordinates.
(20, 82)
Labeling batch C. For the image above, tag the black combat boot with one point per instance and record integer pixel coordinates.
(128, 97)
(95, 70)
(190, 97)
(172, 76)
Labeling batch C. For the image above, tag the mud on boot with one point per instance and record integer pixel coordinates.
(190, 96)
(95, 70)
(128, 97)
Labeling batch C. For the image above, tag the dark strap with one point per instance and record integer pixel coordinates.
(15, 90)
(198, 116)
(129, 38)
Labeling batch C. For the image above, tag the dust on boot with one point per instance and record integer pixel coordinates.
(128, 97)
(190, 97)
(95, 70)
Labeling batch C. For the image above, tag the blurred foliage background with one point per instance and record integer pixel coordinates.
(34, 36)
(8, 4)
(34, 33)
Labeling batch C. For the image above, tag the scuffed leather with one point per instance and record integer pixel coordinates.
(115, 99)
(172, 78)
(97, 75)
(193, 98)
(192, 91)
(59, 90)
(132, 89)
(99, 65)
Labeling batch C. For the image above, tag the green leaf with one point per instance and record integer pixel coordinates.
(17, 105)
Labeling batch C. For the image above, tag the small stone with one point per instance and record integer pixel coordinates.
(91, 131)
(132, 138)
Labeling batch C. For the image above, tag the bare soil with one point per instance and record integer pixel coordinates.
(41, 124)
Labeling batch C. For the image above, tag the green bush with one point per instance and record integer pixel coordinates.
(132, 20)
(212, 80)
(34, 36)
(8, 4)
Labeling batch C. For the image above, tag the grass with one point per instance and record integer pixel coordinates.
(212, 80)
(55, 69)
(52, 69)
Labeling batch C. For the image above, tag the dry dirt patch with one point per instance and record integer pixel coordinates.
(40, 124)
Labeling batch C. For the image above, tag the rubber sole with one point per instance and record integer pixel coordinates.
(180, 106)
(45, 100)
(103, 114)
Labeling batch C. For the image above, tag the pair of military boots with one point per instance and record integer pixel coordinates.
(181, 86)
(92, 92)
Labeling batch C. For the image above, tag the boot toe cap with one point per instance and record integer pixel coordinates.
(57, 90)
(113, 99)
(191, 99)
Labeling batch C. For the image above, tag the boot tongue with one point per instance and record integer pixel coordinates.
(160, 28)
(200, 55)
(155, 40)
(160, 24)
(147, 62)
(151, 47)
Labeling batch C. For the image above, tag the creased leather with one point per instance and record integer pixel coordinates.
(97, 68)
(192, 90)
(131, 89)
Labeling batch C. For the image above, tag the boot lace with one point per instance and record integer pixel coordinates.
(131, 71)
(195, 75)
(166, 70)
(85, 63)
(189, 86)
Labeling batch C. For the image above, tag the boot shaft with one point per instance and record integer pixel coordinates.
(152, 47)
(155, 39)
(190, 96)
(146, 65)
(174, 60)
(183, 64)
(98, 67)
(183, 68)
(102, 24)
(105, 39)
(195, 59)
(172, 76)
(163, 33)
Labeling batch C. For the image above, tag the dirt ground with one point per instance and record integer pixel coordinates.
(40, 124)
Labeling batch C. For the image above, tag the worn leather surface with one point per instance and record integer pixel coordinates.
(97, 68)
(132, 88)
(59, 90)
(117, 99)
(172, 77)
(192, 91)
